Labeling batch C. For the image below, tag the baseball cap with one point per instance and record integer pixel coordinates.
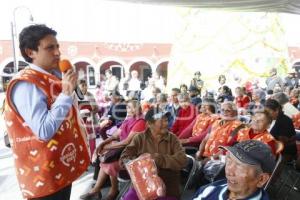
(115, 93)
(253, 152)
(155, 114)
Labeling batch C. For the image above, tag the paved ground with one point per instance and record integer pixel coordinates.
(8, 182)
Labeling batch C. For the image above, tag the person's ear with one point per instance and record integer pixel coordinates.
(263, 179)
(29, 53)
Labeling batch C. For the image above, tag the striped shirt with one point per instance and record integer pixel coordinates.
(219, 191)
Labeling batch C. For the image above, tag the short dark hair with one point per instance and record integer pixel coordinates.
(82, 81)
(221, 76)
(273, 105)
(197, 73)
(176, 90)
(163, 97)
(115, 93)
(183, 85)
(30, 37)
(270, 92)
(157, 90)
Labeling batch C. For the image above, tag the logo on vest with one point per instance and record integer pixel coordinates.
(68, 154)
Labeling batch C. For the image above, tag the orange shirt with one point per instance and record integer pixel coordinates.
(203, 121)
(220, 136)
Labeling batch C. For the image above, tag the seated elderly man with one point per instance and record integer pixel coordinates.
(249, 165)
(258, 130)
(166, 150)
(222, 131)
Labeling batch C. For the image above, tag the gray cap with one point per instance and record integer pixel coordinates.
(253, 152)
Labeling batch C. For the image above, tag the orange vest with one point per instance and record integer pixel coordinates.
(265, 137)
(219, 136)
(296, 120)
(45, 167)
(203, 121)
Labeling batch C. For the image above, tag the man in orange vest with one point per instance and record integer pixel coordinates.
(47, 138)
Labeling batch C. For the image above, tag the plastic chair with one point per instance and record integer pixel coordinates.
(195, 165)
(190, 150)
(275, 172)
(289, 183)
(279, 148)
(294, 185)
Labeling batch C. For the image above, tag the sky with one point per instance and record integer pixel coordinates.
(105, 21)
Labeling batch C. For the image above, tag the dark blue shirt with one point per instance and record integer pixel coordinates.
(173, 111)
(218, 191)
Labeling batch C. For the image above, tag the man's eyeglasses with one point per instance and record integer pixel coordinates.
(226, 110)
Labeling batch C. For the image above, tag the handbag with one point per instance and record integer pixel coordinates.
(112, 155)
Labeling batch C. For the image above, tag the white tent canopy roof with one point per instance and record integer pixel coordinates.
(285, 6)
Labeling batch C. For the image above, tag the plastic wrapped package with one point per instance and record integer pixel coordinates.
(145, 179)
(212, 168)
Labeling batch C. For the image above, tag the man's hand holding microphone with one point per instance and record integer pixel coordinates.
(69, 79)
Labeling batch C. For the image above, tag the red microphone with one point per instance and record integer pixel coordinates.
(65, 65)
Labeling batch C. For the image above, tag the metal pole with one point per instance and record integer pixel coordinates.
(14, 48)
(15, 34)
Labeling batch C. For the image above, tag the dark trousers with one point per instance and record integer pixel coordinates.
(97, 168)
(63, 194)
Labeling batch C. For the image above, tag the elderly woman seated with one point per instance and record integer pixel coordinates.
(221, 131)
(186, 114)
(197, 130)
(258, 130)
(134, 123)
(258, 101)
(249, 165)
(166, 150)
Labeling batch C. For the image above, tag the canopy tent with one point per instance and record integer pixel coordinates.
(232, 44)
(286, 6)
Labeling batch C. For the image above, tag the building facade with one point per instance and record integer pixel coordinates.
(91, 59)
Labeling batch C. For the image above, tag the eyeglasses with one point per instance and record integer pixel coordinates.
(226, 110)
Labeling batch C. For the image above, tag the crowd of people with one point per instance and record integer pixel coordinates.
(211, 118)
(250, 127)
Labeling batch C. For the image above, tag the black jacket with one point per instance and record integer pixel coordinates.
(284, 127)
